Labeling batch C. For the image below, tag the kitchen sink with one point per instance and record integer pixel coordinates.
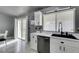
(65, 36)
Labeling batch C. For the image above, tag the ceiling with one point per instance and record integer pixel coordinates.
(19, 10)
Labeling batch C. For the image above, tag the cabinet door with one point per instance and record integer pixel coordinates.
(71, 49)
(38, 18)
(70, 46)
(55, 46)
(49, 22)
(34, 41)
(67, 18)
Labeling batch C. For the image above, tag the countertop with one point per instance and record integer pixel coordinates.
(48, 34)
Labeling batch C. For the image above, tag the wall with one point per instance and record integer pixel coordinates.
(7, 23)
(50, 9)
(76, 18)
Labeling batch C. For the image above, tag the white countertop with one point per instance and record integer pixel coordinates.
(48, 34)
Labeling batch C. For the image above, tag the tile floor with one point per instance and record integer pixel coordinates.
(16, 46)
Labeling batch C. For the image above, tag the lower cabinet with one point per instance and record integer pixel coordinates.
(71, 49)
(54, 46)
(33, 42)
(63, 46)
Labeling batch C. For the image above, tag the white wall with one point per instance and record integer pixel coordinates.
(7, 23)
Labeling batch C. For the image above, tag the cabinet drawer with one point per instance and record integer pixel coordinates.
(65, 41)
(70, 42)
(54, 40)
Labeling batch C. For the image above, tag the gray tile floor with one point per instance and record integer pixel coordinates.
(16, 46)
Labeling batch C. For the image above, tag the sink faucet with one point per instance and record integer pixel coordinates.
(60, 27)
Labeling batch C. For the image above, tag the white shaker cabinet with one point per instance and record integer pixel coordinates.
(71, 49)
(55, 47)
(71, 46)
(33, 42)
(38, 18)
(59, 45)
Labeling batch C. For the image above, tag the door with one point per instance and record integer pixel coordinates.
(71, 49)
(23, 28)
(33, 41)
(16, 29)
(55, 46)
(67, 18)
(38, 18)
(19, 28)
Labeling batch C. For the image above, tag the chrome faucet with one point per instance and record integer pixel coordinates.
(60, 27)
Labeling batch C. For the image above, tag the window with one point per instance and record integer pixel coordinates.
(49, 22)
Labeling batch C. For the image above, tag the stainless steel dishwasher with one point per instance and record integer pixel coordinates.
(43, 44)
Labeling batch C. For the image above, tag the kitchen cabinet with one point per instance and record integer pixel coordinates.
(71, 49)
(67, 18)
(44, 41)
(71, 46)
(38, 18)
(62, 45)
(55, 47)
(33, 42)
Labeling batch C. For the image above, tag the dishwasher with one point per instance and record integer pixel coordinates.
(43, 44)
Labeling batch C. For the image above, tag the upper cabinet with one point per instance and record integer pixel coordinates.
(38, 18)
(49, 22)
(67, 18)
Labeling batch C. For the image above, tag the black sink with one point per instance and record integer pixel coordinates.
(65, 36)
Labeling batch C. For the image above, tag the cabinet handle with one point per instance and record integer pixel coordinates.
(64, 48)
(62, 42)
(60, 47)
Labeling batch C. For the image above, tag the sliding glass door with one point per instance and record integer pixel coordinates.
(19, 28)
(23, 28)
